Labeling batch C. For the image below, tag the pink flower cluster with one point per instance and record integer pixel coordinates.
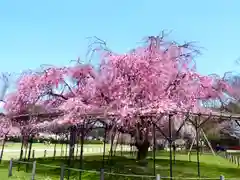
(159, 76)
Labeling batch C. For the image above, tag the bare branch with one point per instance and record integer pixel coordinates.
(57, 95)
(96, 44)
(5, 78)
(68, 86)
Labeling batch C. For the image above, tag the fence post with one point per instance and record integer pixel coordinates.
(10, 168)
(33, 153)
(222, 177)
(45, 153)
(1, 155)
(102, 174)
(62, 172)
(158, 177)
(33, 170)
(54, 154)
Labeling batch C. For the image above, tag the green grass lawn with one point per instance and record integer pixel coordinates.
(210, 167)
(39, 148)
(17, 146)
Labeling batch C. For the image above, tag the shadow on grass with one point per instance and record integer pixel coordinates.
(126, 165)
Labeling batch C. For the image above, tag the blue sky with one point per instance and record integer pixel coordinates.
(54, 31)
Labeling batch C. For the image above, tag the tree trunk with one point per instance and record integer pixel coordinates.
(142, 150)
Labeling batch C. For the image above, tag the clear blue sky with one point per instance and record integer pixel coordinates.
(55, 31)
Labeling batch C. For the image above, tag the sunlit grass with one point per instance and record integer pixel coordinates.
(211, 166)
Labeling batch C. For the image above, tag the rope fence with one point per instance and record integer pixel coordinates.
(100, 174)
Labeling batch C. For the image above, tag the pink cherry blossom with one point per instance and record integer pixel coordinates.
(159, 76)
(5, 126)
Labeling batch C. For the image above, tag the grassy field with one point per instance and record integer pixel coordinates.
(210, 167)
(12, 150)
(17, 146)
